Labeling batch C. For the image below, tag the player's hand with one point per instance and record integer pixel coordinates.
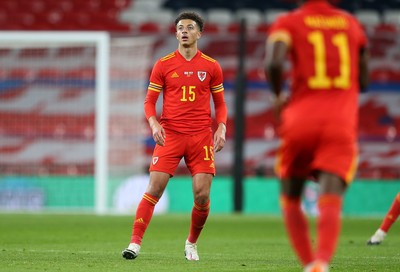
(157, 131)
(278, 103)
(158, 134)
(219, 137)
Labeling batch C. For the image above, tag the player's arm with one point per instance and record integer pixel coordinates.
(150, 102)
(275, 65)
(363, 69)
(221, 116)
(277, 47)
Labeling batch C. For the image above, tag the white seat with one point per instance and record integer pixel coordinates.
(146, 5)
(162, 16)
(133, 17)
(270, 15)
(391, 17)
(220, 16)
(368, 18)
(252, 16)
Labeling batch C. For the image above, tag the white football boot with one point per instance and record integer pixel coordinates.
(377, 238)
(191, 251)
(131, 252)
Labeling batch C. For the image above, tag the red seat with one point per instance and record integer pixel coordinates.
(81, 73)
(118, 4)
(33, 52)
(107, 21)
(172, 28)
(9, 5)
(49, 73)
(21, 73)
(149, 27)
(4, 52)
(61, 5)
(263, 28)
(233, 27)
(256, 74)
(386, 28)
(229, 73)
(70, 51)
(34, 6)
(384, 74)
(211, 28)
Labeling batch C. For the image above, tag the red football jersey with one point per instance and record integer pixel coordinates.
(324, 46)
(187, 87)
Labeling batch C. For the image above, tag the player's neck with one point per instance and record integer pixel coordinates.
(188, 52)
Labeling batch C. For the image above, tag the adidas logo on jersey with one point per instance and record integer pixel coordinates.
(140, 220)
(175, 75)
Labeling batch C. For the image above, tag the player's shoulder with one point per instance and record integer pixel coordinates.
(349, 17)
(343, 13)
(168, 57)
(207, 58)
(287, 18)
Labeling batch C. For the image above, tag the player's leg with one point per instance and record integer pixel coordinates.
(390, 217)
(155, 189)
(164, 163)
(199, 158)
(332, 188)
(295, 156)
(144, 213)
(201, 209)
(334, 165)
(295, 220)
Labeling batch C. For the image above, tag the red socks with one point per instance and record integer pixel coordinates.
(143, 216)
(328, 226)
(199, 217)
(391, 215)
(297, 228)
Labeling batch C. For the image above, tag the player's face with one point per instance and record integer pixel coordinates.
(187, 32)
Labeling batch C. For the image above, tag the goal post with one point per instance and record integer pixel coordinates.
(65, 117)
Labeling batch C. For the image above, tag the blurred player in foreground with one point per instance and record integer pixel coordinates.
(187, 78)
(318, 122)
(387, 222)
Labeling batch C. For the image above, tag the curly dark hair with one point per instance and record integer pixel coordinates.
(191, 16)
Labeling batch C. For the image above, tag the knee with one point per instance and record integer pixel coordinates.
(201, 198)
(331, 184)
(292, 187)
(155, 190)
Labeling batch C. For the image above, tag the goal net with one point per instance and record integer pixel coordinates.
(71, 118)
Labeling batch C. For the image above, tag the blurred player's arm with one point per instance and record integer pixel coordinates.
(277, 47)
(363, 69)
(150, 111)
(221, 116)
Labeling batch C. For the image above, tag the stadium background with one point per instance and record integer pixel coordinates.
(52, 182)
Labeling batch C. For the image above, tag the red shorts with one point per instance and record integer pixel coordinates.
(197, 150)
(306, 149)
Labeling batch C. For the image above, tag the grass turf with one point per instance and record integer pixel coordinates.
(44, 242)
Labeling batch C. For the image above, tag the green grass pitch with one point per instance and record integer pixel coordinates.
(48, 242)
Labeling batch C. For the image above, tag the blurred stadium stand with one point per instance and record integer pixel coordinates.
(379, 114)
(126, 15)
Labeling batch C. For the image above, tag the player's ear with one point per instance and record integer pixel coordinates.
(198, 35)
